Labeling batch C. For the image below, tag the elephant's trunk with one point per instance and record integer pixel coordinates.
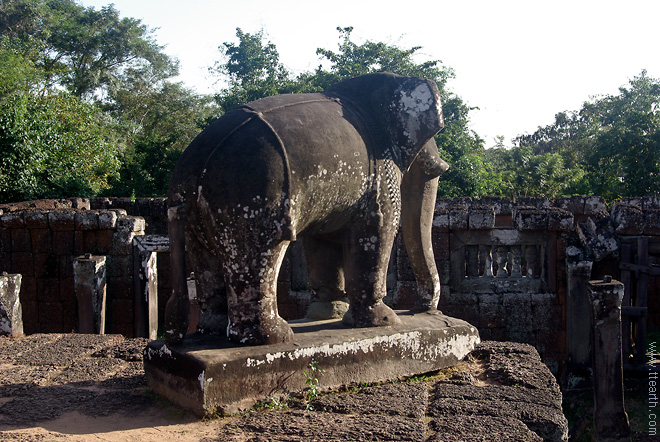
(417, 220)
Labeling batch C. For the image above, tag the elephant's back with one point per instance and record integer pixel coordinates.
(247, 168)
(329, 159)
(195, 158)
(298, 156)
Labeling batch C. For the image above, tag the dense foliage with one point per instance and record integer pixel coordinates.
(85, 104)
(88, 107)
(610, 147)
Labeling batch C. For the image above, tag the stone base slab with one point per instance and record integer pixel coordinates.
(212, 376)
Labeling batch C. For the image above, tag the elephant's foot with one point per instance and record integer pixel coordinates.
(267, 331)
(327, 309)
(374, 315)
(173, 337)
(422, 308)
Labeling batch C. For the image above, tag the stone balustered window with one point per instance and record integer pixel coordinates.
(499, 260)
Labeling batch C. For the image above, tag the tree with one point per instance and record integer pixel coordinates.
(53, 146)
(84, 50)
(352, 60)
(18, 72)
(85, 105)
(253, 70)
(611, 145)
(158, 124)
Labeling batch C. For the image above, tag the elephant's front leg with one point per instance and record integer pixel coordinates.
(252, 295)
(366, 257)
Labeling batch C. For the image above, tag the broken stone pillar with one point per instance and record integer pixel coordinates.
(145, 252)
(11, 313)
(610, 418)
(578, 272)
(90, 283)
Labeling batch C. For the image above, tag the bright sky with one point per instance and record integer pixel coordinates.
(520, 62)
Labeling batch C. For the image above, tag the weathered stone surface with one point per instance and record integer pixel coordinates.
(441, 219)
(501, 206)
(86, 220)
(547, 422)
(107, 219)
(628, 219)
(597, 236)
(465, 428)
(518, 364)
(406, 399)
(36, 219)
(458, 217)
(130, 224)
(532, 201)
(481, 217)
(303, 426)
(13, 220)
(90, 289)
(610, 418)
(530, 218)
(106, 378)
(560, 219)
(652, 222)
(514, 385)
(574, 204)
(594, 204)
(62, 220)
(206, 379)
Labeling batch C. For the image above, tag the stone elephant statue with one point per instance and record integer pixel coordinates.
(336, 168)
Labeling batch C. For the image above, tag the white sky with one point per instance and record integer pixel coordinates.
(520, 62)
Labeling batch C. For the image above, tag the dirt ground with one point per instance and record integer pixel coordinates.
(91, 388)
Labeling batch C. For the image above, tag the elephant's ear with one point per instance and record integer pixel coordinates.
(416, 116)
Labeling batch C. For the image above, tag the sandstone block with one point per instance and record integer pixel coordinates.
(628, 219)
(441, 219)
(62, 220)
(458, 218)
(530, 218)
(560, 220)
(35, 219)
(652, 222)
(107, 220)
(87, 220)
(41, 240)
(13, 220)
(481, 217)
(130, 224)
(594, 204)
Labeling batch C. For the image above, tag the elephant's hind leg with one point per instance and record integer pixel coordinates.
(252, 296)
(210, 284)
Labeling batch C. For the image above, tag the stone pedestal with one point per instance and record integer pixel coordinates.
(11, 312)
(610, 418)
(90, 287)
(209, 375)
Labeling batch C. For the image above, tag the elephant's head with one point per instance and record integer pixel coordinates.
(405, 111)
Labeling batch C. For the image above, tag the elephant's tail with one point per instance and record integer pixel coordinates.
(176, 312)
